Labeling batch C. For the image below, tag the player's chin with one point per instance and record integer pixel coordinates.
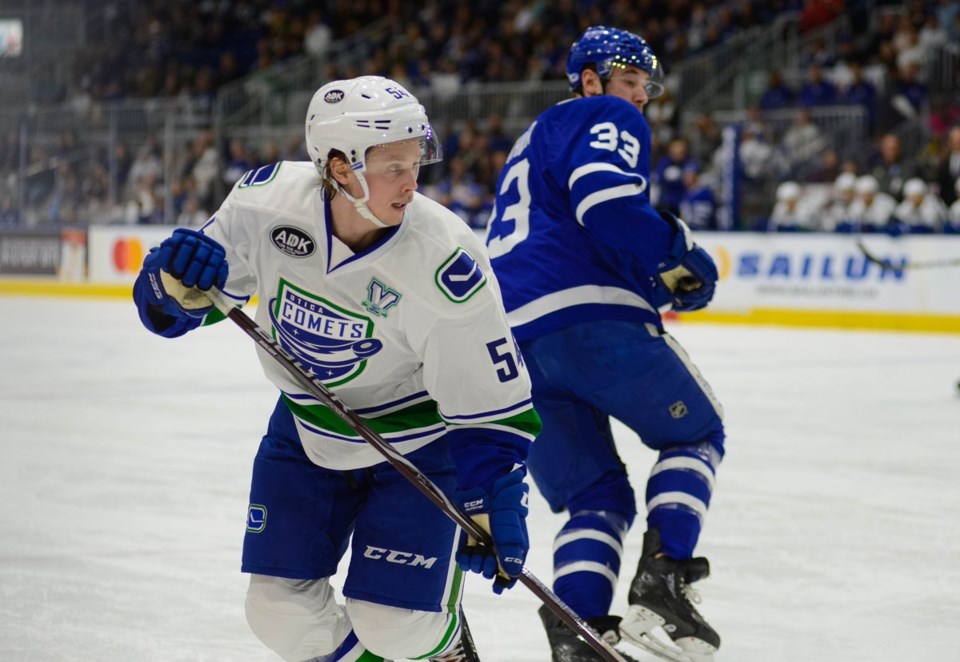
(393, 215)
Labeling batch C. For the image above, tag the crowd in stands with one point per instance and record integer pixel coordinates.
(174, 47)
(190, 49)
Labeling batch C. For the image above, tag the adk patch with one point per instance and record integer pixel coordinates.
(460, 277)
(293, 241)
(333, 342)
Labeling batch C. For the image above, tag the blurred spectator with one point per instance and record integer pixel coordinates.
(861, 92)
(803, 140)
(238, 162)
(757, 156)
(817, 13)
(204, 166)
(661, 114)
(842, 195)
(698, 206)
(705, 138)
(777, 95)
(953, 217)
(497, 138)
(910, 53)
(816, 90)
(871, 210)
(789, 214)
(145, 165)
(948, 171)
(909, 88)
(668, 175)
(944, 113)
(318, 35)
(922, 211)
(890, 167)
(827, 169)
(193, 215)
(474, 208)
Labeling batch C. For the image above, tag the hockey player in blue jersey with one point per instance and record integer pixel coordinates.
(388, 298)
(585, 263)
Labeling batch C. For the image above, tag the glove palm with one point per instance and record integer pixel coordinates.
(688, 276)
(502, 512)
(179, 271)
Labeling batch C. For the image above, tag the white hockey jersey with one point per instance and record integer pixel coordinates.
(410, 333)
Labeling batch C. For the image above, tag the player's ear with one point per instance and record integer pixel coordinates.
(590, 83)
(340, 170)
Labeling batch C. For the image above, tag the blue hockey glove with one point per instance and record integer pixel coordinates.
(687, 276)
(179, 270)
(503, 513)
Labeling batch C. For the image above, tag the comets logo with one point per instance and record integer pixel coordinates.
(333, 342)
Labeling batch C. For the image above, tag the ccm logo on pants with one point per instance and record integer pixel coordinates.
(401, 558)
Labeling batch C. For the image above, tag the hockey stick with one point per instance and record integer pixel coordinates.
(407, 469)
(887, 264)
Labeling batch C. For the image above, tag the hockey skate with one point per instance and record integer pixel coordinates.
(661, 599)
(464, 651)
(568, 646)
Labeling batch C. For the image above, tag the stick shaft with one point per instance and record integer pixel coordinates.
(407, 469)
(887, 264)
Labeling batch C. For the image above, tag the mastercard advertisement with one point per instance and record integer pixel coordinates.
(116, 253)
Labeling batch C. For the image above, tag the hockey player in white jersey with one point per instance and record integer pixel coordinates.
(389, 299)
(585, 262)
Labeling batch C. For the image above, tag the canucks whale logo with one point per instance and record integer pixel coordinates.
(334, 343)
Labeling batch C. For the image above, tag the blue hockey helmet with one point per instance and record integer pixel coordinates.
(609, 47)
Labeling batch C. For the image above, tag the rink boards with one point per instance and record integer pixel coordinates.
(818, 280)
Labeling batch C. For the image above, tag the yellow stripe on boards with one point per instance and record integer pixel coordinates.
(830, 319)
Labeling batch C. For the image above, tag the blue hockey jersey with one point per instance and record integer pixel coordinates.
(573, 236)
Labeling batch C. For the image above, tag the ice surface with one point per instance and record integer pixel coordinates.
(834, 533)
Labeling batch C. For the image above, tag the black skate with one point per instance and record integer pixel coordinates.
(567, 646)
(661, 596)
(464, 651)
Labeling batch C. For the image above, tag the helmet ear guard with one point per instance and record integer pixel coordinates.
(606, 48)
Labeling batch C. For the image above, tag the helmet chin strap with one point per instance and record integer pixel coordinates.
(361, 203)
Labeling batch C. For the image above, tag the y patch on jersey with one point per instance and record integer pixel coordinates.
(380, 298)
(460, 277)
(332, 342)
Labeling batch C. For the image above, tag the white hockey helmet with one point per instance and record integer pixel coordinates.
(914, 186)
(866, 185)
(788, 191)
(353, 115)
(845, 181)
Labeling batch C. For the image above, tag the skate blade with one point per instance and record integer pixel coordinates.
(644, 628)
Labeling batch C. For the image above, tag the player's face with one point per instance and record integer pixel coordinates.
(630, 84)
(392, 178)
